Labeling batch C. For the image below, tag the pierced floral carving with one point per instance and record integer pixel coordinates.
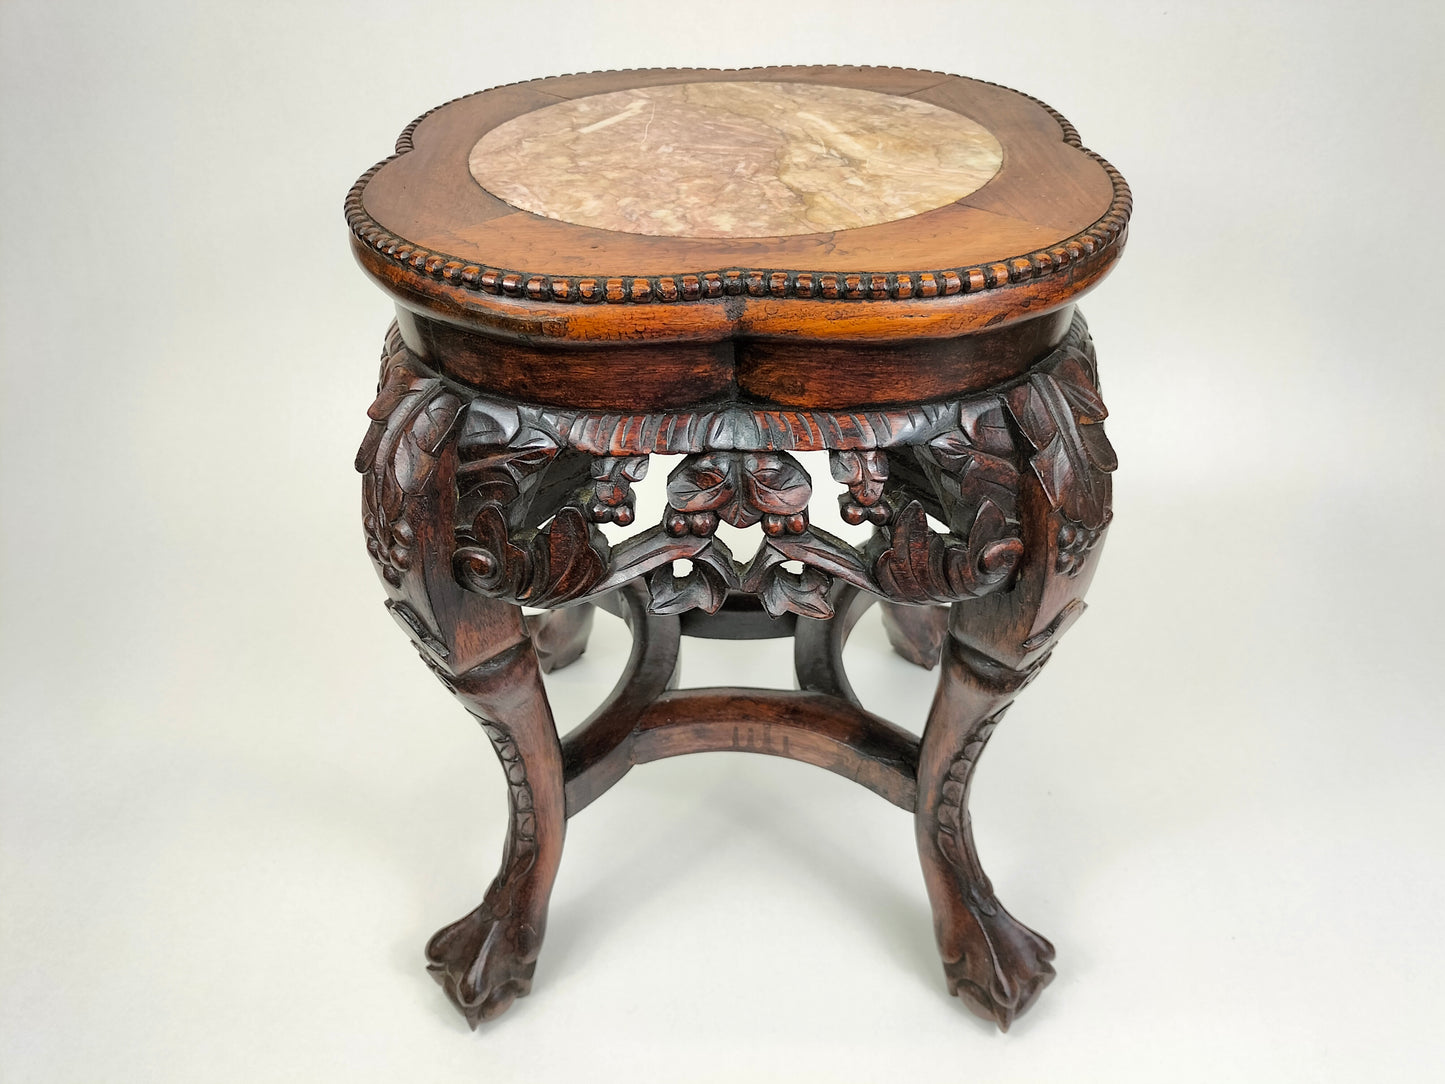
(532, 489)
(922, 566)
(783, 591)
(702, 587)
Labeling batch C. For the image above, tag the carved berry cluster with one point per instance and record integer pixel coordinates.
(390, 546)
(612, 496)
(740, 488)
(864, 473)
(960, 461)
(1074, 543)
(678, 523)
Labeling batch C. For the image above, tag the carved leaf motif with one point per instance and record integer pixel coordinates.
(704, 587)
(804, 593)
(412, 418)
(703, 483)
(421, 441)
(739, 486)
(910, 570)
(1059, 412)
(775, 484)
(395, 386)
(973, 464)
(982, 421)
(863, 472)
(499, 450)
(640, 554)
(821, 550)
(782, 591)
(574, 560)
(415, 430)
(951, 451)
(633, 468)
(489, 423)
(920, 566)
(968, 476)
(497, 472)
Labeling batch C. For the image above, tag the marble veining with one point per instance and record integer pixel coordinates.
(746, 159)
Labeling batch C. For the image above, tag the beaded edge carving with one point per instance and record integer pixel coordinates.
(1105, 232)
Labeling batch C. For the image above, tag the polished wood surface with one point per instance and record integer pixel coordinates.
(965, 428)
(1042, 231)
(653, 376)
(1046, 192)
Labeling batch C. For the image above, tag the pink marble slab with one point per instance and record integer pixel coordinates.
(747, 159)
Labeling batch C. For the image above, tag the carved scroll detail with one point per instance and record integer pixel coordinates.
(502, 458)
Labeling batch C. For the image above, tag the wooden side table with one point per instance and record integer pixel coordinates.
(733, 266)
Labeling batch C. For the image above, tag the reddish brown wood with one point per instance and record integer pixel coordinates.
(916, 632)
(1052, 206)
(661, 375)
(812, 727)
(940, 363)
(599, 751)
(480, 650)
(560, 636)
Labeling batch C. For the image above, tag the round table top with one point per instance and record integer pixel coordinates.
(706, 204)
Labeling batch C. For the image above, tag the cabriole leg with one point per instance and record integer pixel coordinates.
(994, 963)
(485, 960)
(995, 646)
(480, 649)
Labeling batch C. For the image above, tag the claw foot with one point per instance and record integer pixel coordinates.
(484, 962)
(1003, 967)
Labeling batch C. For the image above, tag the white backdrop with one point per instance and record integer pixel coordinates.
(233, 805)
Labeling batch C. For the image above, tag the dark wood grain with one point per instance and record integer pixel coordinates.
(599, 751)
(939, 362)
(916, 632)
(812, 727)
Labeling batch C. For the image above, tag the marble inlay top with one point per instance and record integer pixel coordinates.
(747, 159)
